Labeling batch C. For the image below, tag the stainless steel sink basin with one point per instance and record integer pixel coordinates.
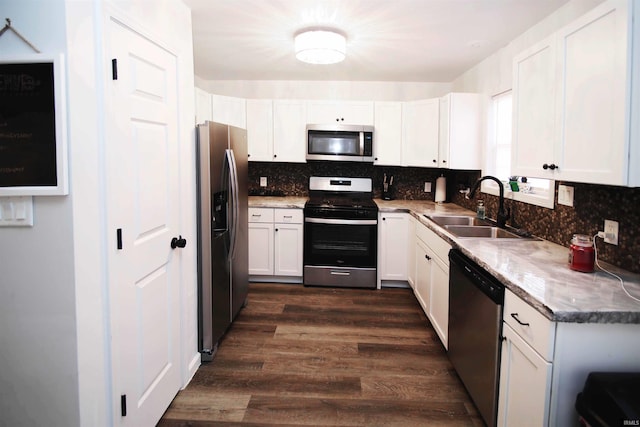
(481, 232)
(445, 220)
(472, 227)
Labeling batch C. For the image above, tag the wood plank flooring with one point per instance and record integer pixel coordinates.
(299, 356)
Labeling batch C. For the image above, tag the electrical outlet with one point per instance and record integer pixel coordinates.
(611, 231)
(565, 195)
(263, 181)
(427, 187)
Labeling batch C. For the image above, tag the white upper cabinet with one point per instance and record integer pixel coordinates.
(591, 96)
(534, 89)
(203, 106)
(340, 112)
(571, 102)
(260, 130)
(460, 141)
(289, 131)
(387, 136)
(229, 110)
(420, 121)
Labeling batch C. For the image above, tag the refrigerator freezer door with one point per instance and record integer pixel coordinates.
(214, 268)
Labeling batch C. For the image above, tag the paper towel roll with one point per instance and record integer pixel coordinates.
(441, 189)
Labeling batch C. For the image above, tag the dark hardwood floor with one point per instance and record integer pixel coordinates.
(326, 357)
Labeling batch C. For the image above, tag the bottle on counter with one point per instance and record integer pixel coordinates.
(480, 212)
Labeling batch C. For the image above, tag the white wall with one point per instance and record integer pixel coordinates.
(38, 362)
(494, 74)
(343, 90)
(55, 360)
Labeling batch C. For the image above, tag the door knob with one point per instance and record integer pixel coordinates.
(178, 242)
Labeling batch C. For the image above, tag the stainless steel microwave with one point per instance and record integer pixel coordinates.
(349, 143)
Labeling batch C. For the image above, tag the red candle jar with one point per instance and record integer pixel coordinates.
(581, 253)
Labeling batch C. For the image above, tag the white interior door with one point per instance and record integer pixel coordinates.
(142, 194)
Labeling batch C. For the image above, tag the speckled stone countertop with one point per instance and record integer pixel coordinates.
(537, 271)
(277, 202)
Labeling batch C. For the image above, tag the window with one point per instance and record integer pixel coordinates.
(498, 159)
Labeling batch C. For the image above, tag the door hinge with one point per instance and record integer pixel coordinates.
(114, 69)
(123, 405)
(119, 238)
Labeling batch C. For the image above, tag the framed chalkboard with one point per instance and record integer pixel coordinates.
(33, 149)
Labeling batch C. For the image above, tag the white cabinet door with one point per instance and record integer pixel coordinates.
(411, 252)
(260, 129)
(229, 110)
(422, 288)
(387, 137)
(261, 249)
(420, 122)
(288, 249)
(342, 112)
(203, 106)
(289, 131)
(392, 248)
(534, 90)
(525, 382)
(460, 141)
(592, 78)
(439, 301)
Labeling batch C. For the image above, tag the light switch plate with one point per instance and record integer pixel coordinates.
(263, 181)
(565, 195)
(427, 187)
(16, 211)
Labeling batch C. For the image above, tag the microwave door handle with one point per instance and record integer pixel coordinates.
(362, 143)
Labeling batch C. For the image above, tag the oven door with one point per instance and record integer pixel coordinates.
(340, 242)
(340, 252)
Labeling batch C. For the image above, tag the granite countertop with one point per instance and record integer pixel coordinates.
(537, 271)
(277, 202)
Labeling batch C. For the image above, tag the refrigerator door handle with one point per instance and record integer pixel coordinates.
(234, 202)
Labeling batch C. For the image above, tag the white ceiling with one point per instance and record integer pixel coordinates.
(387, 40)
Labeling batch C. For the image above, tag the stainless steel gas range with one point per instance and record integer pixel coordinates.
(340, 233)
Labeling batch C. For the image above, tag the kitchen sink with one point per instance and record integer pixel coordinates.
(482, 232)
(469, 226)
(446, 220)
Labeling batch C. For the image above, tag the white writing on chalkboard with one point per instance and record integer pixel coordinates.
(22, 83)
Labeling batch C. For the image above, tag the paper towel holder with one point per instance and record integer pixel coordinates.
(441, 189)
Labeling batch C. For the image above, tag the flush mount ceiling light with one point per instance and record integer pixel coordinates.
(320, 46)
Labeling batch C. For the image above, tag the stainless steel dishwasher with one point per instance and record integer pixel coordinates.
(475, 328)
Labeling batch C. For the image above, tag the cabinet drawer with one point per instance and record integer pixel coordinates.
(535, 329)
(260, 215)
(288, 216)
(437, 244)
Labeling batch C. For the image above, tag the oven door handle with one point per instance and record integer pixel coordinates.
(342, 221)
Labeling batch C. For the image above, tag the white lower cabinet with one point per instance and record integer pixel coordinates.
(393, 232)
(526, 365)
(261, 249)
(411, 252)
(432, 279)
(525, 382)
(288, 249)
(275, 244)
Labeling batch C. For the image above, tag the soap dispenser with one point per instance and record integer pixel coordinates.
(480, 211)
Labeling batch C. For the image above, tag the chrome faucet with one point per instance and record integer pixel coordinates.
(501, 216)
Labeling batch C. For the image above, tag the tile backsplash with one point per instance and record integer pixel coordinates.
(592, 203)
(292, 179)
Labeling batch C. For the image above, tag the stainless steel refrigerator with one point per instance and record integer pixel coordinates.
(223, 252)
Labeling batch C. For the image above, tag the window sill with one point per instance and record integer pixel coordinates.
(545, 200)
